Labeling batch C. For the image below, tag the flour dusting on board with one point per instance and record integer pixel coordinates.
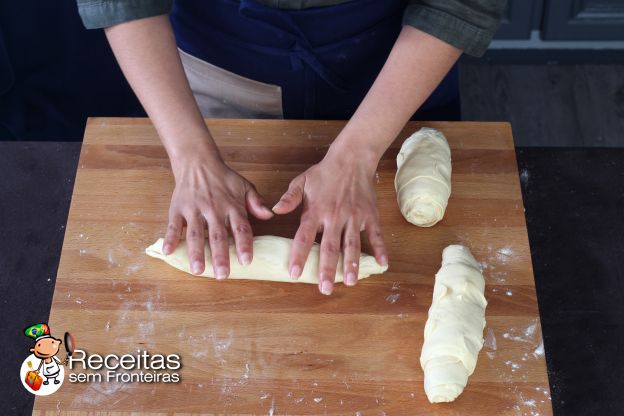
(145, 334)
(489, 343)
(525, 335)
(200, 345)
(393, 297)
(272, 409)
(539, 351)
(102, 393)
(511, 356)
(122, 257)
(504, 254)
(221, 344)
(122, 311)
(493, 262)
(497, 258)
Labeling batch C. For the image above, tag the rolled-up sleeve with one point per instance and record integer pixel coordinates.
(468, 25)
(105, 13)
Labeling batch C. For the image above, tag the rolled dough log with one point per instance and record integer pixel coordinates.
(423, 178)
(454, 330)
(270, 261)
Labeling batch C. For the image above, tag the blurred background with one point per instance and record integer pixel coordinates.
(555, 71)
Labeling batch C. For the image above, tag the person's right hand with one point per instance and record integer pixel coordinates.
(210, 194)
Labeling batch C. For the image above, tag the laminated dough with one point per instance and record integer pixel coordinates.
(423, 178)
(270, 261)
(454, 330)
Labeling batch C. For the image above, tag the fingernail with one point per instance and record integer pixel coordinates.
(326, 287)
(275, 206)
(245, 259)
(295, 272)
(351, 279)
(383, 260)
(222, 273)
(197, 266)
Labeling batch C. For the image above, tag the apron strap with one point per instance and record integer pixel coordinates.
(300, 51)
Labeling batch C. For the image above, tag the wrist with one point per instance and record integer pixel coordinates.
(351, 150)
(194, 157)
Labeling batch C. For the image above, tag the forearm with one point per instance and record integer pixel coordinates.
(147, 54)
(416, 65)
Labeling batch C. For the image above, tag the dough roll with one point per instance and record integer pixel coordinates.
(454, 330)
(423, 178)
(270, 261)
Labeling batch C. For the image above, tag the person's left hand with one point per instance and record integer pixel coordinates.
(339, 200)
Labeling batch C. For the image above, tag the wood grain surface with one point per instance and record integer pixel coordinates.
(278, 348)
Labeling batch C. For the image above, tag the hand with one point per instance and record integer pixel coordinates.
(339, 200)
(210, 194)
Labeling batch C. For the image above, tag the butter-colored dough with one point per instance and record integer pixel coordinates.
(423, 178)
(454, 330)
(270, 261)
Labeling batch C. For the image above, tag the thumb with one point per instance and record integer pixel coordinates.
(291, 198)
(255, 205)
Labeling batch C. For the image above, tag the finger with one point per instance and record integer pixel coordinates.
(329, 253)
(373, 233)
(243, 238)
(173, 234)
(351, 253)
(291, 198)
(195, 243)
(302, 244)
(219, 247)
(255, 205)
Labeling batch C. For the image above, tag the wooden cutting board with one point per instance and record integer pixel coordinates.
(279, 348)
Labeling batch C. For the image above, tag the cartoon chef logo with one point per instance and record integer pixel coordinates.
(42, 373)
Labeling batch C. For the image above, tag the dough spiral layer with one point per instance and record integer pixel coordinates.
(423, 178)
(454, 330)
(270, 261)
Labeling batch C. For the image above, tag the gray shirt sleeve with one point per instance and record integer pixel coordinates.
(466, 24)
(97, 14)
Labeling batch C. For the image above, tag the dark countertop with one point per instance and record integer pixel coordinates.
(574, 200)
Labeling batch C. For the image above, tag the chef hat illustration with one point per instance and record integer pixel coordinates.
(38, 331)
